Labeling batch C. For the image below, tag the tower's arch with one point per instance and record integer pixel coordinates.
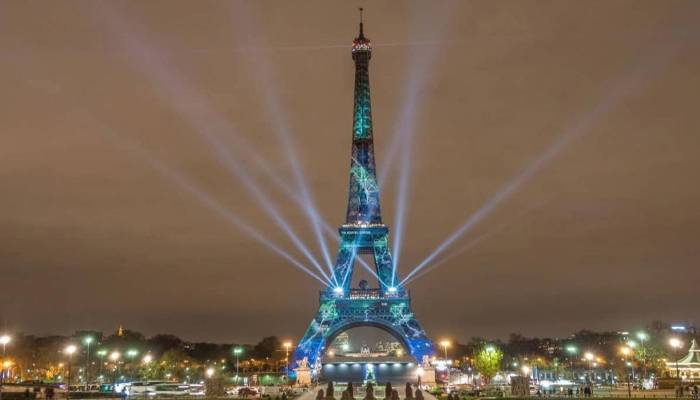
(368, 307)
(363, 324)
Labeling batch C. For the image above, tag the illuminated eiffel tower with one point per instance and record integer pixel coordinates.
(343, 307)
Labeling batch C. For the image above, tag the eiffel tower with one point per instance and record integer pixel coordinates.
(342, 307)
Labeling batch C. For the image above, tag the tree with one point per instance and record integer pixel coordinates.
(163, 342)
(266, 347)
(487, 361)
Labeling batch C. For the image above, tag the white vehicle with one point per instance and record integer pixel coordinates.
(142, 388)
(271, 391)
(197, 389)
(170, 389)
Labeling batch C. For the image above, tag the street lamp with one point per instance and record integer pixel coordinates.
(114, 356)
(101, 355)
(445, 344)
(131, 354)
(626, 352)
(642, 336)
(146, 361)
(676, 344)
(87, 341)
(526, 371)
(287, 345)
(4, 340)
(572, 350)
(590, 357)
(70, 350)
(210, 372)
(237, 352)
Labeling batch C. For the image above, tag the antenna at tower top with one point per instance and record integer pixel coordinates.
(361, 34)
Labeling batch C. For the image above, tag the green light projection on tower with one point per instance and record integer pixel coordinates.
(366, 181)
(343, 306)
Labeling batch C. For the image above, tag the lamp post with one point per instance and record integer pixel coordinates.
(626, 352)
(590, 357)
(676, 344)
(4, 340)
(114, 356)
(131, 354)
(287, 345)
(571, 350)
(101, 355)
(146, 361)
(87, 341)
(445, 344)
(70, 350)
(237, 352)
(642, 336)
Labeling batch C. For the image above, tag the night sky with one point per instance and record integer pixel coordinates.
(570, 128)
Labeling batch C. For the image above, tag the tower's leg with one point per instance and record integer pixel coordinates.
(343, 264)
(383, 262)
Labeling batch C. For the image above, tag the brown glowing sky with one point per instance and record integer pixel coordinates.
(603, 236)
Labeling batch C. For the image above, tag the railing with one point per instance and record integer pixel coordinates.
(365, 294)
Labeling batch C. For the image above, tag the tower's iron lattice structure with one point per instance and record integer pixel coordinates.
(342, 307)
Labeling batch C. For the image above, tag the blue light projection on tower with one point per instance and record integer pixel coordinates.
(343, 307)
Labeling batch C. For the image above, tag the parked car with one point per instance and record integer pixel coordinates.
(247, 391)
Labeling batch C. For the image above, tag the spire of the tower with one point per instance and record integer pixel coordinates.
(361, 43)
(363, 200)
(362, 35)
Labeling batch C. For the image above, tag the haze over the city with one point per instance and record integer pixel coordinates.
(556, 141)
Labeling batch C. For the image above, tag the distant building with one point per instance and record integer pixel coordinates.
(387, 347)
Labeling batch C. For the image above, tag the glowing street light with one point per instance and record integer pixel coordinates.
(445, 344)
(210, 372)
(4, 340)
(70, 350)
(642, 336)
(87, 340)
(237, 352)
(114, 356)
(626, 351)
(676, 344)
(526, 371)
(287, 346)
(572, 350)
(590, 357)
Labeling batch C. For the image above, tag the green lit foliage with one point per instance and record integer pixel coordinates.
(487, 361)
